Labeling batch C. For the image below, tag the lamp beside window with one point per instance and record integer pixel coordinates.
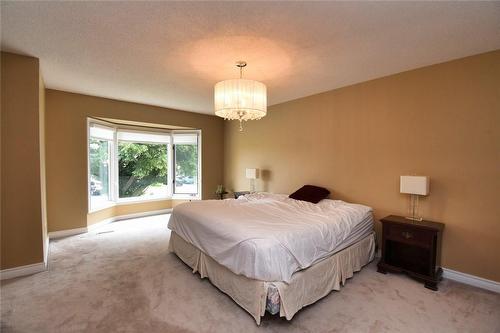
(415, 186)
(252, 174)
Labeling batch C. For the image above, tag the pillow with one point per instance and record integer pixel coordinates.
(310, 193)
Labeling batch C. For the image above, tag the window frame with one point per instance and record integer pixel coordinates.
(137, 199)
(114, 198)
(111, 201)
(185, 196)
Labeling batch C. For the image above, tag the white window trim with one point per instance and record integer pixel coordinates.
(132, 200)
(198, 196)
(111, 202)
(114, 179)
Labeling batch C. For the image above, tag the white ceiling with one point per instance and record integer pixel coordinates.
(171, 54)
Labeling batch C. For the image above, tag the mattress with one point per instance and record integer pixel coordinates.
(269, 237)
(306, 286)
(362, 230)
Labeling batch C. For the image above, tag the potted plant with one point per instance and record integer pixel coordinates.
(220, 191)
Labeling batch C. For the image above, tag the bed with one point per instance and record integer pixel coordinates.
(270, 252)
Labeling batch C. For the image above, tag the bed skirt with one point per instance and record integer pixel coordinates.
(306, 286)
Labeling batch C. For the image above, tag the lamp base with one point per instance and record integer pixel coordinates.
(252, 185)
(413, 211)
(419, 219)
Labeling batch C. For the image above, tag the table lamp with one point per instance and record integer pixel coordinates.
(415, 186)
(252, 174)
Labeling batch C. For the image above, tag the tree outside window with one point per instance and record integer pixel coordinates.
(142, 170)
(186, 168)
(99, 157)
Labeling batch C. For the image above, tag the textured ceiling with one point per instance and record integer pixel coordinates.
(171, 54)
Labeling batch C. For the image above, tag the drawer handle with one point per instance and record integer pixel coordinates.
(406, 234)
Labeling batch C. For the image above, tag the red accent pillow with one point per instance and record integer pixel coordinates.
(310, 193)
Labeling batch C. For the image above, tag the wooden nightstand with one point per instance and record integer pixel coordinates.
(412, 247)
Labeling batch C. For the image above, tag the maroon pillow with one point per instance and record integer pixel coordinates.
(310, 193)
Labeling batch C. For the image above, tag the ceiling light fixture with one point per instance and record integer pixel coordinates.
(240, 99)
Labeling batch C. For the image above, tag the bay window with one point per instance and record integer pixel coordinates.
(143, 165)
(100, 151)
(186, 163)
(128, 164)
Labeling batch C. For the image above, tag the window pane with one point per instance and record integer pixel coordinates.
(99, 159)
(142, 170)
(186, 169)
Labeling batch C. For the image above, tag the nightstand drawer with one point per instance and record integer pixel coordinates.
(409, 235)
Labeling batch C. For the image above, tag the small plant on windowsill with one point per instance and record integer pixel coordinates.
(220, 191)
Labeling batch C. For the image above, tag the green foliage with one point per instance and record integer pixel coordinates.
(186, 158)
(99, 163)
(141, 165)
(98, 151)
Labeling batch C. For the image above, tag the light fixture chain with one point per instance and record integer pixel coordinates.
(240, 65)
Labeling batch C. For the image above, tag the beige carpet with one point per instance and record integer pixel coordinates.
(122, 279)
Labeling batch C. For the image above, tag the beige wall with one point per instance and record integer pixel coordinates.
(66, 128)
(22, 208)
(441, 121)
(119, 210)
(43, 178)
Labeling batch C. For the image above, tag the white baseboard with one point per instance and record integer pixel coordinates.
(142, 214)
(464, 278)
(66, 233)
(471, 280)
(46, 249)
(92, 227)
(10, 273)
(97, 225)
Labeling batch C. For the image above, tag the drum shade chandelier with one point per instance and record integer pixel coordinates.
(240, 99)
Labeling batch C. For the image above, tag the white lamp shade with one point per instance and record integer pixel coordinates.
(414, 185)
(240, 99)
(251, 173)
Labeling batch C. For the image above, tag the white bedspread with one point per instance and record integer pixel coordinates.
(266, 236)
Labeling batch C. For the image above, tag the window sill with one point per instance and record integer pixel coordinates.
(138, 201)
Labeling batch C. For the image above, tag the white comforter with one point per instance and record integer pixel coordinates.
(266, 236)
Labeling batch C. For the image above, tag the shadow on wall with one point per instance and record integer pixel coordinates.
(265, 176)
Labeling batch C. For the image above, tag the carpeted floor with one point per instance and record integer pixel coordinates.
(121, 278)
